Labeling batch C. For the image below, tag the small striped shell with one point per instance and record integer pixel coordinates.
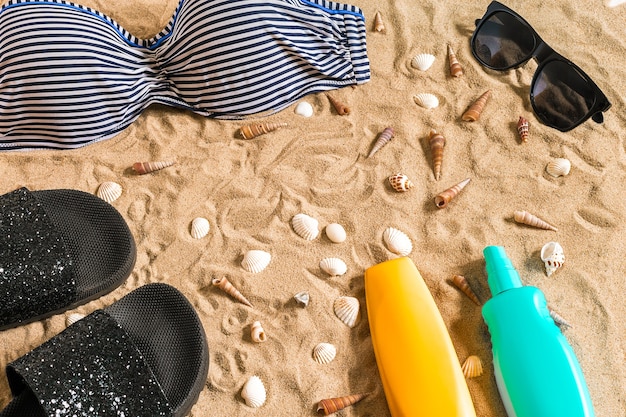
(347, 309)
(426, 100)
(423, 62)
(73, 318)
(324, 353)
(472, 367)
(559, 167)
(253, 392)
(397, 241)
(109, 191)
(257, 334)
(400, 182)
(199, 227)
(143, 168)
(305, 226)
(552, 256)
(333, 266)
(256, 261)
(336, 233)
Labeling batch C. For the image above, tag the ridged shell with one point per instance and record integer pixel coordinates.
(331, 405)
(379, 25)
(400, 182)
(426, 100)
(384, 138)
(199, 227)
(558, 320)
(304, 109)
(324, 353)
(443, 198)
(302, 298)
(341, 108)
(461, 283)
(436, 142)
(225, 285)
(455, 68)
(525, 217)
(143, 168)
(476, 108)
(347, 309)
(73, 318)
(333, 266)
(559, 167)
(305, 226)
(253, 392)
(552, 256)
(397, 241)
(423, 62)
(472, 367)
(523, 129)
(257, 334)
(254, 130)
(336, 233)
(256, 260)
(109, 191)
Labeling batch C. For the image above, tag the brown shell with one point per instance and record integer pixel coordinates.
(525, 217)
(436, 142)
(473, 112)
(523, 129)
(379, 26)
(455, 68)
(400, 182)
(341, 108)
(472, 367)
(461, 283)
(253, 130)
(142, 168)
(385, 136)
(229, 289)
(332, 405)
(443, 198)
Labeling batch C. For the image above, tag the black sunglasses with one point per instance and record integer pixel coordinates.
(561, 94)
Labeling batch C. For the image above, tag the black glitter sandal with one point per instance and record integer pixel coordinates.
(58, 249)
(144, 356)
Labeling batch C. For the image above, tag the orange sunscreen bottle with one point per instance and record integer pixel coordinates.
(418, 365)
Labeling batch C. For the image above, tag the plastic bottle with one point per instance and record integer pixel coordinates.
(536, 370)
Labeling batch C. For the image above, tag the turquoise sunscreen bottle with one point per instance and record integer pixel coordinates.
(536, 370)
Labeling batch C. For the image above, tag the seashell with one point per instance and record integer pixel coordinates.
(229, 289)
(347, 309)
(473, 112)
(332, 405)
(324, 353)
(73, 318)
(397, 241)
(109, 191)
(558, 320)
(379, 26)
(256, 261)
(614, 3)
(253, 392)
(333, 266)
(305, 226)
(302, 298)
(559, 167)
(461, 283)
(341, 108)
(257, 333)
(385, 136)
(553, 257)
(455, 68)
(199, 227)
(304, 109)
(336, 233)
(142, 168)
(436, 142)
(423, 62)
(253, 130)
(525, 217)
(426, 100)
(523, 129)
(443, 198)
(400, 182)
(472, 367)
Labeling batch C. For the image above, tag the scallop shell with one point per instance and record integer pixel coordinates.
(324, 353)
(333, 266)
(199, 227)
(559, 167)
(423, 62)
(253, 130)
(525, 217)
(461, 283)
(109, 191)
(614, 3)
(73, 318)
(523, 127)
(474, 111)
(385, 136)
(304, 109)
(305, 226)
(426, 100)
(341, 108)
(302, 298)
(336, 233)
(455, 68)
(446, 196)
(437, 142)
(332, 405)
(553, 257)
(379, 25)
(257, 333)
(256, 261)
(142, 168)
(397, 241)
(229, 289)
(472, 367)
(347, 309)
(400, 182)
(253, 392)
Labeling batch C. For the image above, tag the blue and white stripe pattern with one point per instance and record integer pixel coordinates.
(70, 76)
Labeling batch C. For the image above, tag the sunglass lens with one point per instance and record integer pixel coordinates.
(503, 41)
(561, 95)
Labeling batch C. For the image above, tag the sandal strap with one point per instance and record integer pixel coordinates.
(91, 369)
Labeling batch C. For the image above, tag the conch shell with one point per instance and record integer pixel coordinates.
(444, 197)
(257, 333)
(385, 136)
(400, 182)
(436, 142)
(553, 257)
(341, 108)
(461, 283)
(229, 289)
(332, 405)
(455, 68)
(379, 26)
(525, 217)
(473, 112)
(251, 131)
(142, 168)
(522, 128)
(472, 367)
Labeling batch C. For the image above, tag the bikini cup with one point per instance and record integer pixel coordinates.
(70, 75)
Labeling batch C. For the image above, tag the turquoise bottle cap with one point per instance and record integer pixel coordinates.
(501, 275)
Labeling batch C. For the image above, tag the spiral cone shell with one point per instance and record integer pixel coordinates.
(257, 333)
(446, 196)
(256, 261)
(109, 191)
(142, 168)
(397, 241)
(461, 283)
(199, 227)
(437, 143)
(324, 353)
(341, 108)
(553, 257)
(472, 367)
(400, 182)
(332, 405)
(229, 289)
(385, 136)
(560, 321)
(347, 309)
(523, 129)
(473, 112)
(253, 392)
(257, 129)
(455, 68)
(333, 266)
(379, 25)
(305, 226)
(525, 217)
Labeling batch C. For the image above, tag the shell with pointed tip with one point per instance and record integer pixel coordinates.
(257, 333)
(199, 227)
(559, 167)
(302, 298)
(400, 182)
(73, 318)
(305, 226)
(474, 111)
(142, 168)
(229, 289)
(336, 233)
(446, 196)
(553, 257)
(385, 136)
(256, 260)
(472, 367)
(253, 392)
(455, 68)
(397, 241)
(324, 353)
(423, 62)
(437, 143)
(304, 109)
(560, 321)
(379, 25)
(109, 191)
(254, 130)
(347, 309)
(526, 218)
(523, 126)
(332, 405)
(461, 283)
(333, 266)
(426, 100)
(341, 108)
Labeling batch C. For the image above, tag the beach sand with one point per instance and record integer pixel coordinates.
(250, 190)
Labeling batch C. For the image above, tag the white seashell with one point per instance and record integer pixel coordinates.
(336, 233)
(559, 167)
(552, 256)
(614, 3)
(109, 191)
(397, 241)
(256, 261)
(347, 309)
(333, 266)
(305, 226)
(426, 100)
(257, 333)
(302, 298)
(253, 392)
(73, 318)
(304, 109)
(199, 227)
(324, 353)
(423, 62)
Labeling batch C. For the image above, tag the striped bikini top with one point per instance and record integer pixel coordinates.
(70, 75)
